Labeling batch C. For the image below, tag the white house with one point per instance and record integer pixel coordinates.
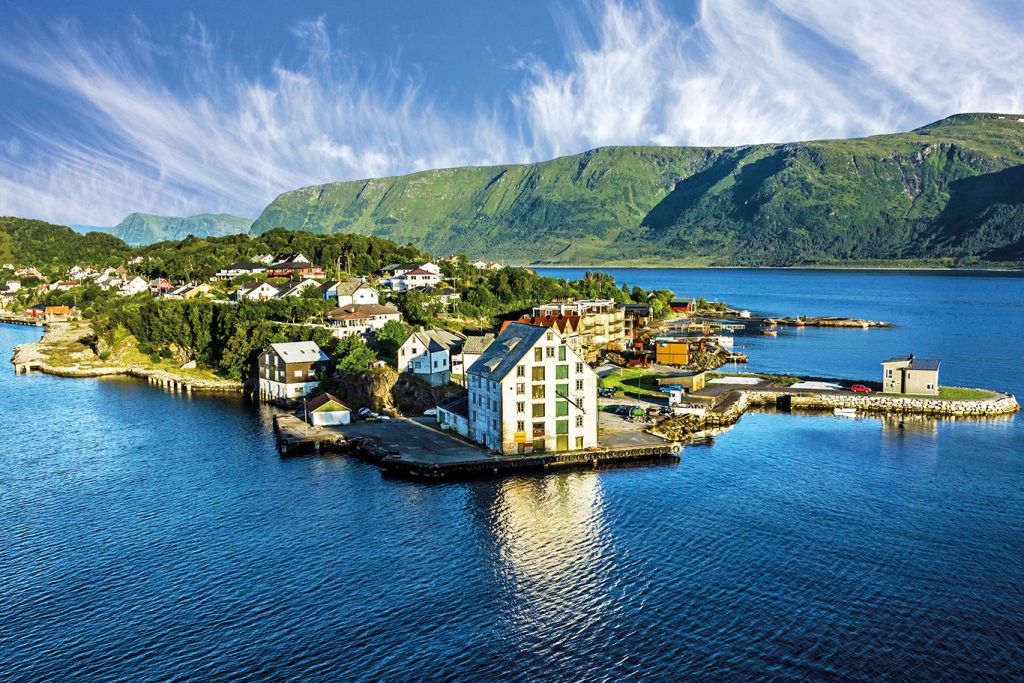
(256, 291)
(290, 370)
(401, 277)
(427, 354)
(361, 319)
(529, 393)
(354, 291)
(240, 268)
(288, 258)
(134, 286)
(295, 288)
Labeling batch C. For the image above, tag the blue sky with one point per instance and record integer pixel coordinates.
(179, 108)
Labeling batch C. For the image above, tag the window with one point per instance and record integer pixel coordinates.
(550, 336)
(520, 371)
(538, 354)
(561, 408)
(520, 426)
(298, 373)
(538, 410)
(579, 367)
(579, 385)
(521, 407)
(538, 391)
(561, 426)
(550, 352)
(579, 442)
(521, 389)
(538, 374)
(561, 353)
(579, 420)
(562, 390)
(561, 372)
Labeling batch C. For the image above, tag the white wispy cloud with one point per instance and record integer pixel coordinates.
(743, 71)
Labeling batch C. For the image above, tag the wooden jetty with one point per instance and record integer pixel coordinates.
(22, 320)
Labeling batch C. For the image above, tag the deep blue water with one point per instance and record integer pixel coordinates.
(147, 536)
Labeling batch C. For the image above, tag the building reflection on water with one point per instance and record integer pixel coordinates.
(553, 550)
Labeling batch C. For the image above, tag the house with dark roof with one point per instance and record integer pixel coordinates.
(453, 414)
(427, 354)
(910, 375)
(529, 392)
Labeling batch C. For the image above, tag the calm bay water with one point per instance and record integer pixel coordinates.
(148, 536)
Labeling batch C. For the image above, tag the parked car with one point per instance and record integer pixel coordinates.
(363, 412)
(861, 389)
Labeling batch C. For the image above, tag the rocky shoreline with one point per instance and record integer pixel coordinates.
(38, 357)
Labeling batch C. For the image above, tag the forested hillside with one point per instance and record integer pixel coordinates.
(28, 242)
(950, 190)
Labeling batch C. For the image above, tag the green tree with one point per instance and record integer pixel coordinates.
(391, 336)
(351, 356)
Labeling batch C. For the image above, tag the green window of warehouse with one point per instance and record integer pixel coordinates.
(562, 409)
(561, 372)
(561, 426)
(538, 410)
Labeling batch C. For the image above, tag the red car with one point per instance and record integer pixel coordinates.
(860, 388)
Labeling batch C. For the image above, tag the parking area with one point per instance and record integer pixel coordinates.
(618, 431)
(416, 439)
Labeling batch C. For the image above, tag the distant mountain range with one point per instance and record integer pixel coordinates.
(143, 228)
(950, 190)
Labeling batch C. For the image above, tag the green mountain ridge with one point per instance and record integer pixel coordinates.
(953, 189)
(143, 228)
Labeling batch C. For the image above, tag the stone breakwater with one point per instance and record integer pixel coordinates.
(732, 406)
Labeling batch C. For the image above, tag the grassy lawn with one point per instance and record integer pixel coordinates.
(635, 381)
(954, 394)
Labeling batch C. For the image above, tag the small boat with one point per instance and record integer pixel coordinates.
(769, 332)
(845, 412)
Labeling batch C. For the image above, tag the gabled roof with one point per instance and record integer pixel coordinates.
(350, 287)
(498, 359)
(299, 352)
(477, 344)
(564, 323)
(420, 271)
(323, 400)
(915, 363)
(439, 340)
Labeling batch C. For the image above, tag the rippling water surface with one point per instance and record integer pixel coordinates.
(148, 536)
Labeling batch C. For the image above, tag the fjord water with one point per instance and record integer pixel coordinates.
(151, 536)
